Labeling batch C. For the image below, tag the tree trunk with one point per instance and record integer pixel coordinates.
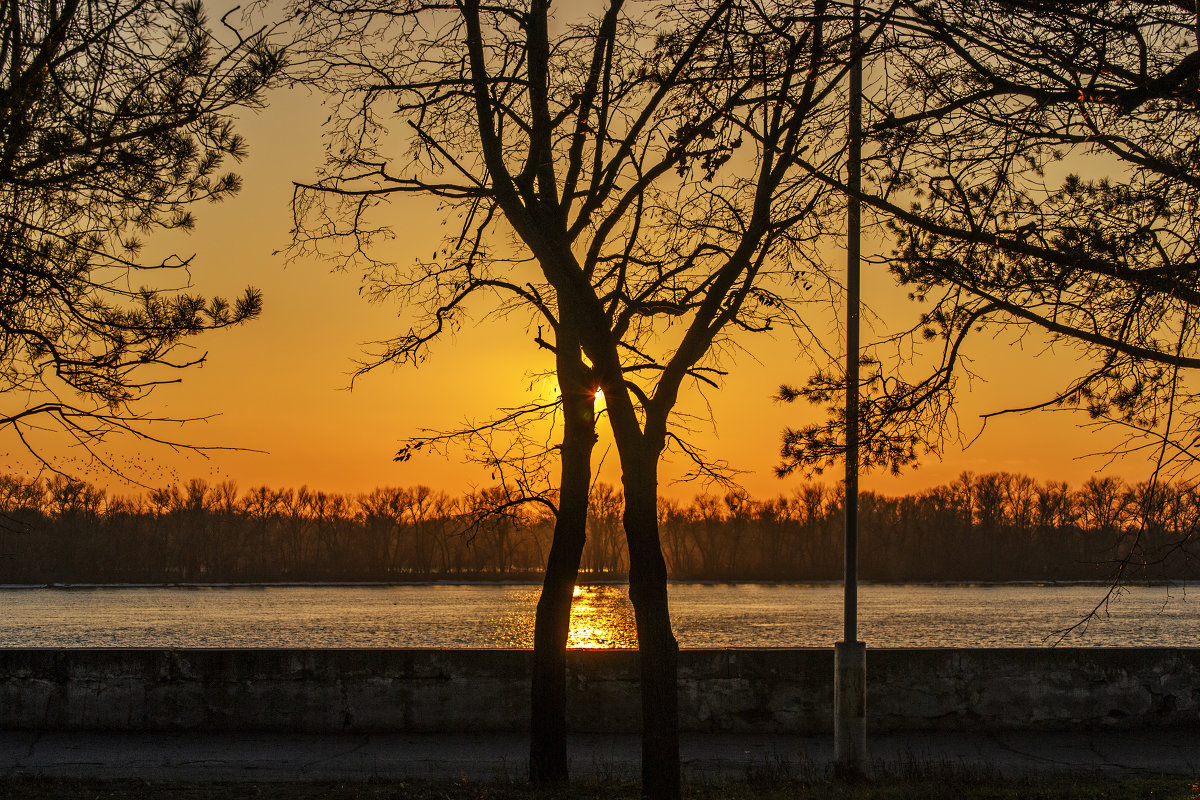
(658, 650)
(548, 720)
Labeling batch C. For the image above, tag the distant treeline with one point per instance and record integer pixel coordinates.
(994, 527)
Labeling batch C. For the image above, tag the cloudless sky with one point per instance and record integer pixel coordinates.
(280, 384)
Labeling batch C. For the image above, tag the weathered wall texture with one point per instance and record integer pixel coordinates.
(487, 690)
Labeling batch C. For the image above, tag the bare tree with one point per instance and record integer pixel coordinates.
(984, 116)
(115, 119)
(1036, 165)
(640, 170)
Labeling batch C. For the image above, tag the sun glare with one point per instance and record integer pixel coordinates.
(601, 619)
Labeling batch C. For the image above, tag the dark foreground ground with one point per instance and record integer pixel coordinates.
(931, 786)
(490, 757)
(1114, 764)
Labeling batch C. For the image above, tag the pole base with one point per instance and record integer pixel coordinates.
(850, 708)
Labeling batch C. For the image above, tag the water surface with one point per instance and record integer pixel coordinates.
(499, 616)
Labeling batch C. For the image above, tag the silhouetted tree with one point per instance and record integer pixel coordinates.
(602, 150)
(983, 109)
(1035, 165)
(70, 531)
(605, 548)
(115, 118)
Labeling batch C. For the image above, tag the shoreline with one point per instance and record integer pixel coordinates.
(961, 584)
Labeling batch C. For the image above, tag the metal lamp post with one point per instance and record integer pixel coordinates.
(850, 655)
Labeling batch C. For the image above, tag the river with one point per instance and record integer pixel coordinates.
(500, 616)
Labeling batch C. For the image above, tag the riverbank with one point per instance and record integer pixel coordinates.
(584, 580)
(981, 528)
(731, 691)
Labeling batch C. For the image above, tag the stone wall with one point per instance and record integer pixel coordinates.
(785, 691)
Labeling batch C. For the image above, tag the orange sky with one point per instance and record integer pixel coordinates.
(279, 384)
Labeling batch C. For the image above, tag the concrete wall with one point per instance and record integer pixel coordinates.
(477, 690)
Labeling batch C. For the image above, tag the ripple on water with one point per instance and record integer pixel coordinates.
(501, 616)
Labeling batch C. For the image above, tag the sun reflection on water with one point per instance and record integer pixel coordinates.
(602, 618)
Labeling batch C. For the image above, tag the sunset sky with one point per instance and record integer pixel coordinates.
(280, 384)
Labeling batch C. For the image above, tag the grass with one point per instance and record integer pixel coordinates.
(895, 787)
